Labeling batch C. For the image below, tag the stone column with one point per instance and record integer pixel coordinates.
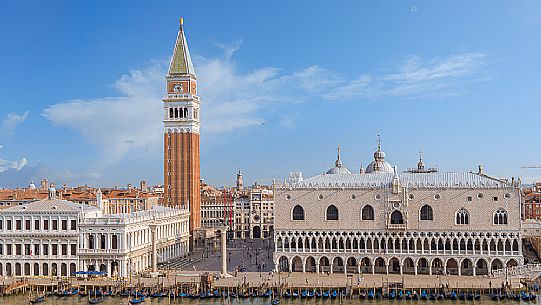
(223, 235)
(154, 247)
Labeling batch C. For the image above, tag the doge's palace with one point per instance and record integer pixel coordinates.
(380, 220)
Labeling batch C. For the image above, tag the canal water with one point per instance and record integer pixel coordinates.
(52, 300)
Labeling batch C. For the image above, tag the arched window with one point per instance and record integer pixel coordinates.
(426, 212)
(396, 218)
(367, 213)
(462, 217)
(185, 112)
(171, 114)
(298, 213)
(500, 217)
(332, 213)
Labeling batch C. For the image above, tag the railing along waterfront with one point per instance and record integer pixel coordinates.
(528, 269)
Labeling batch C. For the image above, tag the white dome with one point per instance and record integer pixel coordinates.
(338, 167)
(32, 186)
(338, 170)
(380, 167)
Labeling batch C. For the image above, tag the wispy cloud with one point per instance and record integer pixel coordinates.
(6, 165)
(11, 121)
(129, 126)
(415, 77)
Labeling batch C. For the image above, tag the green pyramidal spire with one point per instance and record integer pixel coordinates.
(181, 62)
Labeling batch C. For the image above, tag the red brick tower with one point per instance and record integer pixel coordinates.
(181, 134)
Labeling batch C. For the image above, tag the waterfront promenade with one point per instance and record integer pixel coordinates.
(285, 280)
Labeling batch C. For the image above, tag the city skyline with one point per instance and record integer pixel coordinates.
(278, 92)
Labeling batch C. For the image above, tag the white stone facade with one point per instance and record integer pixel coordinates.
(403, 223)
(121, 244)
(54, 237)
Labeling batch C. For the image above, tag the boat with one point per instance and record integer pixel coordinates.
(453, 295)
(311, 294)
(182, 295)
(423, 295)
(400, 295)
(370, 295)
(157, 295)
(67, 293)
(408, 295)
(317, 294)
(414, 295)
(362, 295)
(95, 300)
(334, 294)
(287, 294)
(275, 302)
(440, 296)
(295, 294)
(326, 294)
(432, 296)
(304, 294)
(392, 295)
(38, 299)
(138, 300)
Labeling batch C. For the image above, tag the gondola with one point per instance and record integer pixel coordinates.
(362, 295)
(370, 295)
(137, 301)
(423, 295)
(334, 294)
(37, 300)
(453, 295)
(326, 294)
(432, 296)
(400, 295)
(392, 295)
(275, 302)
(408, 295)
(95, 300)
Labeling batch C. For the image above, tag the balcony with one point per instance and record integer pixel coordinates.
(396, 226)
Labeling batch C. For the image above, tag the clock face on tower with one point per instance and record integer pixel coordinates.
(177, 88)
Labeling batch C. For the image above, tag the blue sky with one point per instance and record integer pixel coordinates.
(282, 82)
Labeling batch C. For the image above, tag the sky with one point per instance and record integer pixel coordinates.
(282, 83)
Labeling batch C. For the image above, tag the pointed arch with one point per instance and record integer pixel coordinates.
(367, 212)
(500, 217)
(332, 213)
(426, 213)
(462, 217)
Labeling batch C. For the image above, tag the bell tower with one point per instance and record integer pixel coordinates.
(181, 134)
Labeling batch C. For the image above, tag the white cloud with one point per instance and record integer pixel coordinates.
(6, 165)
(415, 78)
(11, 121)
(130, 126)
